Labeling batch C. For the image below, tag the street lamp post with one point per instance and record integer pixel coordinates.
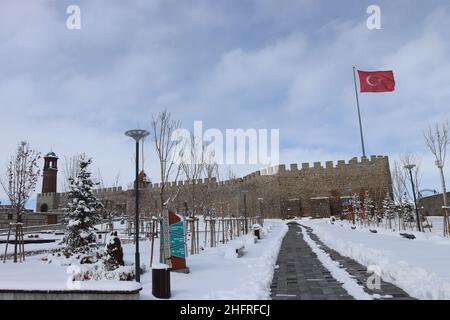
(261, 210)
(137, 135)
(245, 191)
(410, 167)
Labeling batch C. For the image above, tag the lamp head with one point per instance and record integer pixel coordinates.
(410, 166)
(137, 134)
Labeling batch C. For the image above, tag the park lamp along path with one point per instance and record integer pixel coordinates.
(137, 135)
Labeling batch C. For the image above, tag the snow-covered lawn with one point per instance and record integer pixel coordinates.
(421, 266)
(34, 246)
(215, 273)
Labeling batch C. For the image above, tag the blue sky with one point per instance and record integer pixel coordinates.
(232, 64)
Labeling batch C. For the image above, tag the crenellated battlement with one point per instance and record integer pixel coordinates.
(276, 185)
(306, 166)
(281, 169)
(108, 190)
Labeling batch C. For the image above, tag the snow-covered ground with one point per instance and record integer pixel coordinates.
(215, 272)
(34, 246)
(421, 266)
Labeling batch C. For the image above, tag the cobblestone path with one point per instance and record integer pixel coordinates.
(301, 276)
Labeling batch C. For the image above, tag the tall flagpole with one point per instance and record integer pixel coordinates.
(359, 114)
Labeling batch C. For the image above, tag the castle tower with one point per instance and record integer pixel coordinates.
(50, 173)
(144, 181)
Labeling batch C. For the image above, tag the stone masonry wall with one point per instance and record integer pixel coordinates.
(284, 191)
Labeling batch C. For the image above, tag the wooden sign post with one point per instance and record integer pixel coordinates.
(174, 241)
(177, 243)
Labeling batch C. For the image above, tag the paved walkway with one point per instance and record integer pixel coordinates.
(301, 276)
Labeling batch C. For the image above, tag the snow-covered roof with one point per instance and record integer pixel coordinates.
(51, 154)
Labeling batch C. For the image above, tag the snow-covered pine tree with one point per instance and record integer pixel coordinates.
(389, 210)
(83, 210)
(368, 208)
(356, 208)
(407, 209)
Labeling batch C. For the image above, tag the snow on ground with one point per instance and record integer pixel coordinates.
(215, 273)
(35, 274)
(419, 266)
(348, 282)
(34, 246)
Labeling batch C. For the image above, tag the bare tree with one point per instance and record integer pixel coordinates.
(70, 169)
(19, 183)
(163, 127)
(412, 159)
(403, 195)
(437, 140)
(401, 180)
(210, 165)
(398, 181)
(192, 165)
(231, 175)
(211, 170)
(22, 173)
(99, 179)
(116, 181)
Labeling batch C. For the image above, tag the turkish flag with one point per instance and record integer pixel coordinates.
(376, 81)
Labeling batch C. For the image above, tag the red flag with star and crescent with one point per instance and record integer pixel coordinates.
(376, 81)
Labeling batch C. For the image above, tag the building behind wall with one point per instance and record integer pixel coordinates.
(275, 192)
(432, 205)
(29, 218)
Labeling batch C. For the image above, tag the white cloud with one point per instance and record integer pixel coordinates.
(252, 64)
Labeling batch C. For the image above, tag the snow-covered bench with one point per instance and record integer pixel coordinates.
(235, 250)
(240, 250)
(408, 236)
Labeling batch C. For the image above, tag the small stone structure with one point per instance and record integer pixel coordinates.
(69, 294)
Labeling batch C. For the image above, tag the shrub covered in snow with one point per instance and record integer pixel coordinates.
(86, 255)
(99, 272)
(114, 252)
(96, 264)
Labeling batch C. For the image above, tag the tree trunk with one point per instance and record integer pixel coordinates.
(444, 195)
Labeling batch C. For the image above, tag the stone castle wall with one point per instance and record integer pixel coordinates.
(297, 190)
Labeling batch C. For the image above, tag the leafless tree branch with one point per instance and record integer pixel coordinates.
(22, 173)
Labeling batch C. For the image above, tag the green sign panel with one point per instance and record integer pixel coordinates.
(177, 240)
